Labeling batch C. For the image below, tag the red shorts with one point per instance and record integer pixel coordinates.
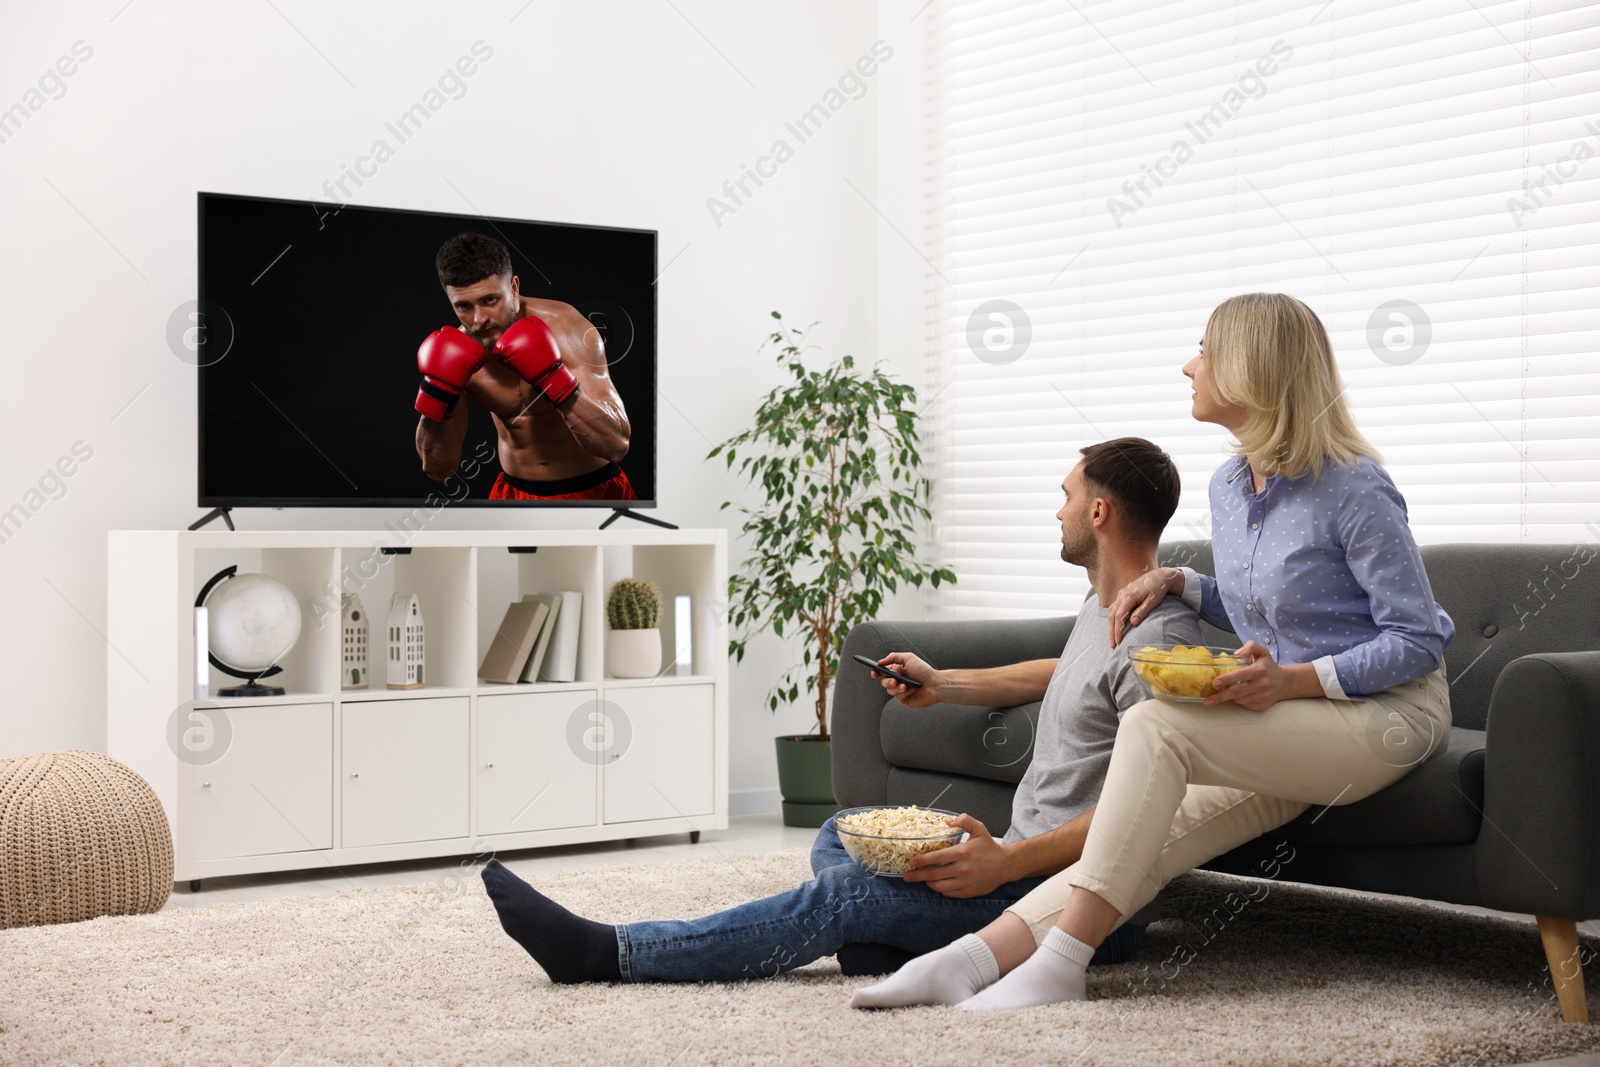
(603, 483)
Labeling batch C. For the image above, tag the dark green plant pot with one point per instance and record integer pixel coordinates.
(805, 778)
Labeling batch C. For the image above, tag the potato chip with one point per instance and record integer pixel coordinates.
(1183, 671)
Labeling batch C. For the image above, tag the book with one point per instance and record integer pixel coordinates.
(513, 641)
(561, 658)
(552, 603)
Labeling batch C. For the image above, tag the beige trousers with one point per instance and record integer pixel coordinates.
(1187, 783)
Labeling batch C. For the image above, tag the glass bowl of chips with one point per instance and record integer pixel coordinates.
(1184, 672)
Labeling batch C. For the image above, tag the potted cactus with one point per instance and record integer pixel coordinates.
(633, 640)
(835, 454)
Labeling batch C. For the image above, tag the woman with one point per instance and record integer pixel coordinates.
(1345, 692)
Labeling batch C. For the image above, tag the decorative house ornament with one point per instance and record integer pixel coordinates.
(405, 642)
(353, 626)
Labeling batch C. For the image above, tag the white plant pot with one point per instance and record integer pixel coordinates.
(633, 653)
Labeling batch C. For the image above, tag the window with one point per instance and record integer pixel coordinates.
(1423, 175)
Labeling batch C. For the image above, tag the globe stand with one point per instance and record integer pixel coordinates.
(251, 691)
(250, 688)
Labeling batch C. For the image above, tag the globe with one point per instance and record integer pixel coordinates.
(253, 622)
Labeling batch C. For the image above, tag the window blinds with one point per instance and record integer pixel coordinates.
(1423, 175)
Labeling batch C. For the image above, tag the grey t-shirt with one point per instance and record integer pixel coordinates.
(1092, 686)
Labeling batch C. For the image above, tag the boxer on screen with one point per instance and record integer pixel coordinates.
(538, 367)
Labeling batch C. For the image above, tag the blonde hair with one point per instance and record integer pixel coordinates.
(1270, 353)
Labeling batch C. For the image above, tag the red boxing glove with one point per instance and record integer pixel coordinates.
(530, 347)
(446, 359)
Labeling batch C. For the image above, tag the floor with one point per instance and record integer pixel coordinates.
(745, 834)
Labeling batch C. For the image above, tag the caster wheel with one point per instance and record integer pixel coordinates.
(694, 837)
(194, 885)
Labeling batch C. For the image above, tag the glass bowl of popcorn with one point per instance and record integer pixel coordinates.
(883, 840)
(1184, 672)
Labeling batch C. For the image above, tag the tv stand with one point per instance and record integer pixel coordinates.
(321, 776)
(617, 513)
(214, 513)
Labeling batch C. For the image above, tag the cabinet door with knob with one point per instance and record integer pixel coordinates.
(657, 752)
(264, 781)
(536, 762)
(403, 771)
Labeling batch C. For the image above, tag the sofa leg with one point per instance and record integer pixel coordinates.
(1560, 937)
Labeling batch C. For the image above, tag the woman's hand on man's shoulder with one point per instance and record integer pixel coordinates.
(1135, 601)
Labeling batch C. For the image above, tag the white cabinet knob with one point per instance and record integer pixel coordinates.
(488, 766)
(205, 785)
(355, 774)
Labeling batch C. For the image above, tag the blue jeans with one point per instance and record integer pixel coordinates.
(842, 905)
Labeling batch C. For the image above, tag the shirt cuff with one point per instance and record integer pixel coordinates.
(1191, 588)
(1330, 680)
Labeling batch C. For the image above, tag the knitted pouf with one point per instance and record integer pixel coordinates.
(81, 835)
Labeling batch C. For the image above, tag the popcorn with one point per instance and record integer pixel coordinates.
(883, 840)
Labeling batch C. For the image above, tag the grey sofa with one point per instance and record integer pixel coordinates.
(1507, 816)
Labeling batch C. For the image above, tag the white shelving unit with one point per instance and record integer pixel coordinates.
(325, 777)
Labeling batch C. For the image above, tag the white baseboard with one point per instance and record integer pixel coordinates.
(754, 802)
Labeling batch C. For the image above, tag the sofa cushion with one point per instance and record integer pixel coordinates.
(990, 743)
(1506, 601)
(1509, 601)
(1440, 802)
(988, 802)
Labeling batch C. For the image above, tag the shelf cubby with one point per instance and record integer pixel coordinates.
(311, 666)
(443, 581)
(505, 576)
(681, 570)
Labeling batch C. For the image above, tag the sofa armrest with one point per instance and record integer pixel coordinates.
(860, 771)
(1539, 846)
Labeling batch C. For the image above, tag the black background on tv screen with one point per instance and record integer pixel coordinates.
(312, 405)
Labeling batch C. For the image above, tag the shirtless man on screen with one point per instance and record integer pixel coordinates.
(537, 366)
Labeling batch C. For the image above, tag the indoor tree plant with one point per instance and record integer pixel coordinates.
(835, 453)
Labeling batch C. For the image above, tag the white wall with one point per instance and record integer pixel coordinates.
(629, 114)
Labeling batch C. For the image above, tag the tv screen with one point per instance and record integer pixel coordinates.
(540, 388)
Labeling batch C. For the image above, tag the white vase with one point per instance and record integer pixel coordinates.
(633, 653)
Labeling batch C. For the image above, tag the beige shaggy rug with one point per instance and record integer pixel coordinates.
(1281, 974)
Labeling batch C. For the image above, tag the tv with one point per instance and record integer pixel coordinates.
(306, 338)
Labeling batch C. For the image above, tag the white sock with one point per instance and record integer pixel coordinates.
(1054, 973)
(946, 975)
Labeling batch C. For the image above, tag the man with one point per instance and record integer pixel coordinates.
(1118, 500)
(537, 366)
